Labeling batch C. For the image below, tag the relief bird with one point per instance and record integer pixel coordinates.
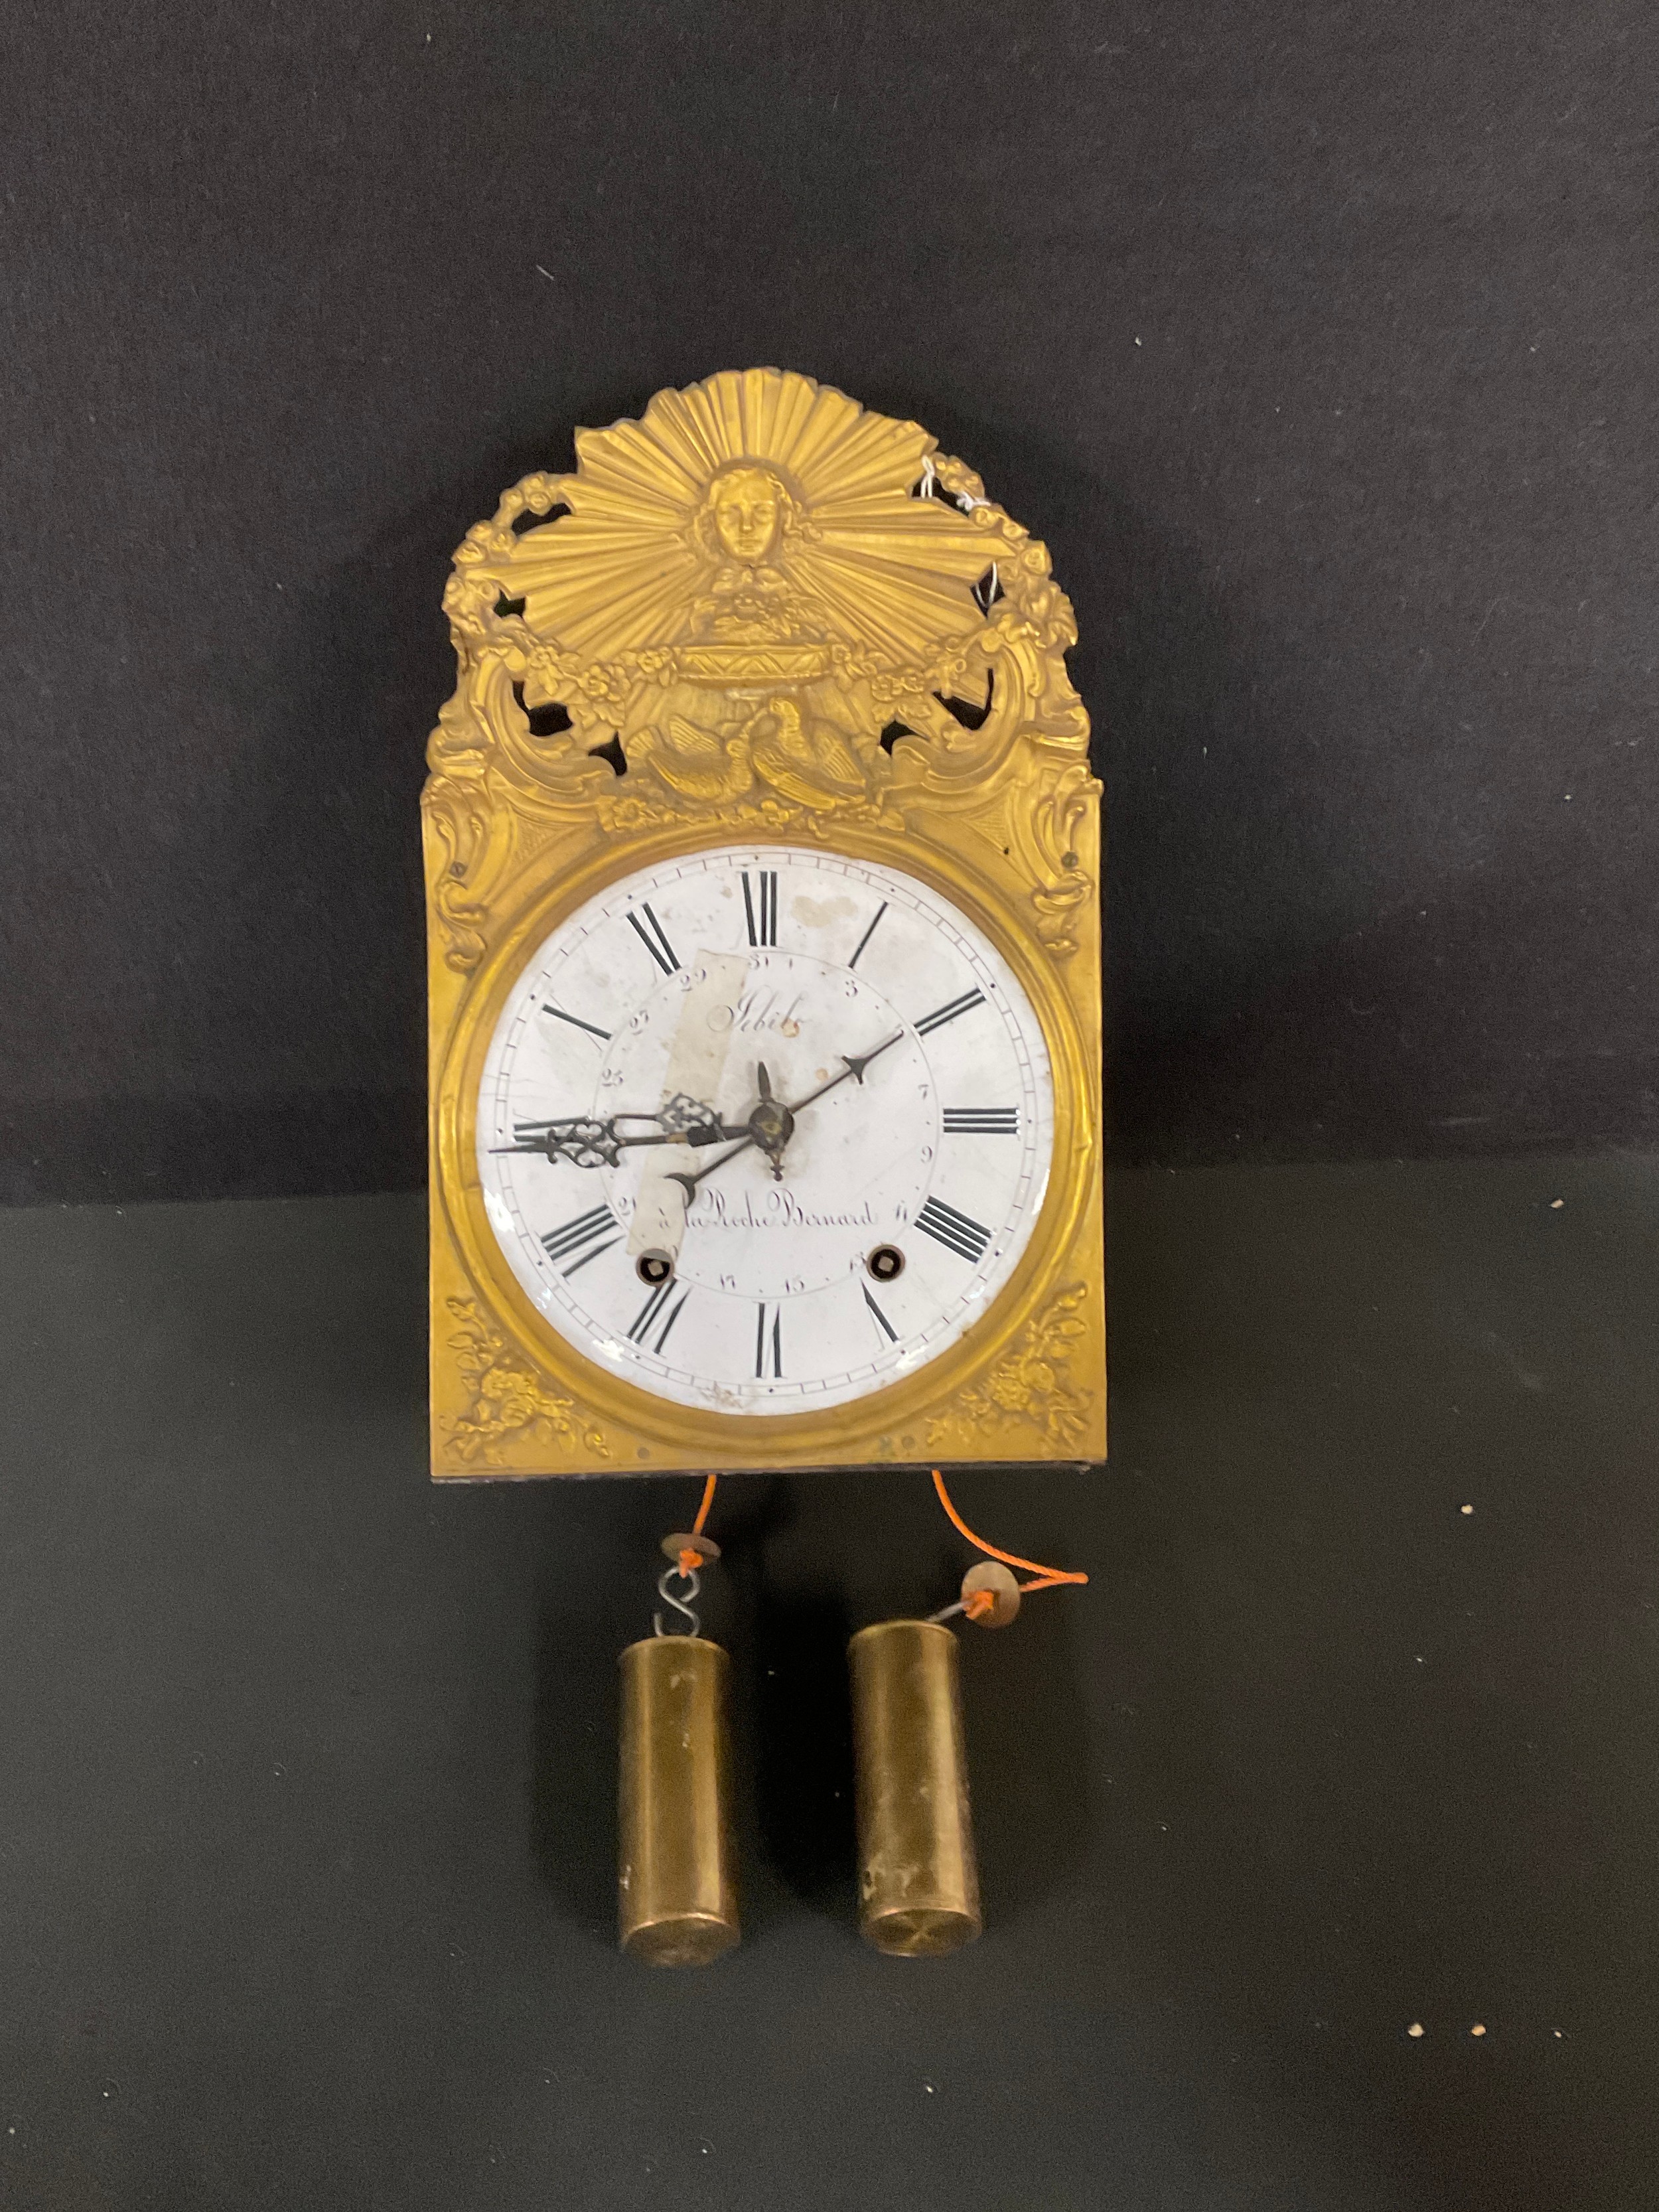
(702, 763)
(815, 768)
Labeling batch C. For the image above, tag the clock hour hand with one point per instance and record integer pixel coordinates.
(587, 1142)
(689, 1183)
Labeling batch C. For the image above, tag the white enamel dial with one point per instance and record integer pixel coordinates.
(746, 1258)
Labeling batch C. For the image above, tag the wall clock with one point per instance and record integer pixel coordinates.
(763, 903)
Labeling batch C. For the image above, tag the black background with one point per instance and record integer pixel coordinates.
(1318, 342)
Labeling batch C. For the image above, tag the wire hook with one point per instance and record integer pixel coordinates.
(682, 1605)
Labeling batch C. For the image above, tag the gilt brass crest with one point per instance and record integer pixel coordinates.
(763, 609)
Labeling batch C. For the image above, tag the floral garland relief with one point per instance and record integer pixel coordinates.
(509, 1404)
(1031, 1384)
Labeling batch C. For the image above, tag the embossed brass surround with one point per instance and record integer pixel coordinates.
(753, 629)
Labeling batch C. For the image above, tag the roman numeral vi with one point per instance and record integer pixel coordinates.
(769, 1345)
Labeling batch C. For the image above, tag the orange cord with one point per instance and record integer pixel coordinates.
(980, 1601)
(707, 1500)
(690, 1560)
(1047, 1577)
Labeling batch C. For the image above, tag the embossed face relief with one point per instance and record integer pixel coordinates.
(764, 1129)
(747, 508)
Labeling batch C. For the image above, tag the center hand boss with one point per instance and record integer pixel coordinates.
(779, 1119)
(587, 1141)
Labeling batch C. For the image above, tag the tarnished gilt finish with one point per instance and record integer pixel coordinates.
(918, 1881)
(677, 1894)
(751, 586)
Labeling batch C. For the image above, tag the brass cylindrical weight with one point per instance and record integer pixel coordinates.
(917, 1884)
(677, 1897)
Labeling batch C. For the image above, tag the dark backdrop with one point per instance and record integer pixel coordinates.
(1318, 341)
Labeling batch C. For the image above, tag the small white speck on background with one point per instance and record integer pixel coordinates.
(928, 2086)
(1556, 1203)
(1478, 2029)
(1466, 1509)
(1416, 2028)
(1555, 2031)
(1137, 341)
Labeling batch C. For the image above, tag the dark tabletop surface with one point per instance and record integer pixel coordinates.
(306, 1835)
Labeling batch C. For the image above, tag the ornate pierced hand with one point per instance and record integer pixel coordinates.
(586, 1142)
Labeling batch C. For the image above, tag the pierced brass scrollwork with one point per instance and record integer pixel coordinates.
(763, 609)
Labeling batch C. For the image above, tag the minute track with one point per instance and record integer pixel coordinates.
(782, 1184)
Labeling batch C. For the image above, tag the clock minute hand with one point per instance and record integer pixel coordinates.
(853, 1071)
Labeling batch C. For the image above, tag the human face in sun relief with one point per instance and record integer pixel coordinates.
(748, 508)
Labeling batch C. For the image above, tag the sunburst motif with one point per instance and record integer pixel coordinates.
(753, 512)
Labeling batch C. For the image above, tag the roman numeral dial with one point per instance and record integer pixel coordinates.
(762, 1130)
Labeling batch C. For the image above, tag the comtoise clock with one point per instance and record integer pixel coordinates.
(763, 870)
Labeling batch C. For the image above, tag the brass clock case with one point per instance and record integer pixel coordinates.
(757, 696)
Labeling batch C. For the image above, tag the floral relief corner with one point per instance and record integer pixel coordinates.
(510, 1405)
(1031, 1383)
